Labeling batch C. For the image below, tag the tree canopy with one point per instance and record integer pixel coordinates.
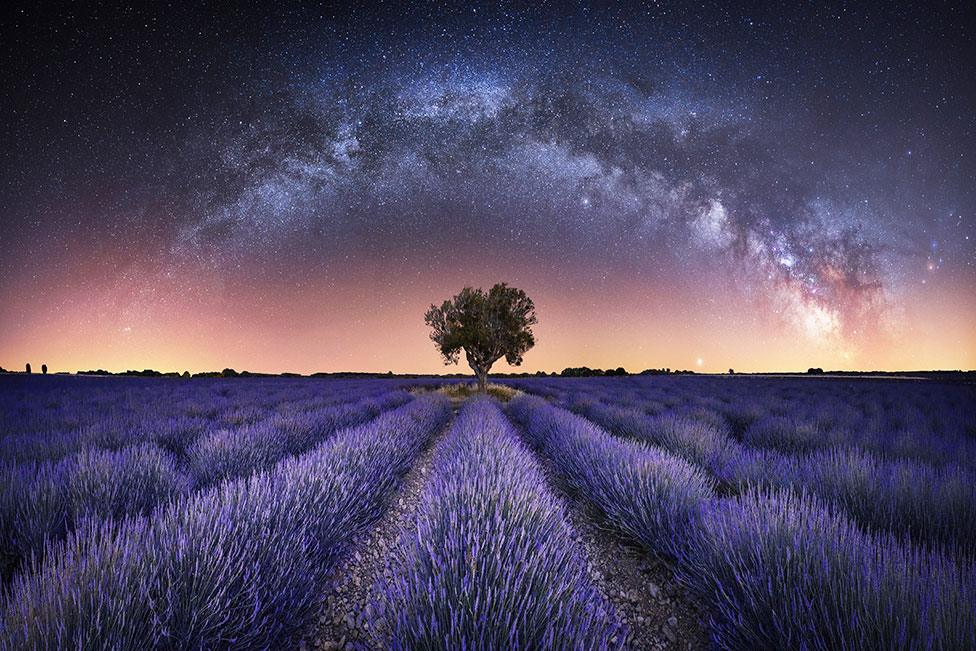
(485, 325)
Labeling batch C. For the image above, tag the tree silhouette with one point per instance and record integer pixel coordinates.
(28, 368)
(486, 325)
(44, 369)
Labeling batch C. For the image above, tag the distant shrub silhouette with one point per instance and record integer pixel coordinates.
(655, 371)
(44, 369)
(28, 368)
(229, 372)
(815, 371)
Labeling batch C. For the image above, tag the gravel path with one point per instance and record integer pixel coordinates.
(346, 619)
(655, 607)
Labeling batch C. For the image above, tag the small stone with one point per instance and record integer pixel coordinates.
(653, 589)
(668, 633)
(673, 621)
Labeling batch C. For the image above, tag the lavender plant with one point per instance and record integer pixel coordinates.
(239, 566)
(644, 491)
(933, 505)
(41, 502)
(782, 570)
(491, 563)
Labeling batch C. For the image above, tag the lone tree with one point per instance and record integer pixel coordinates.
(44, 369)
(28, 368)
(486, 325)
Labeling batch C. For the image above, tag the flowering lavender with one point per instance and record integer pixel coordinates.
(782, 570)
(695, 441)
(492, 563)
(239, 565)
(45, 419)
(44, 501)
(646, 492)
(170, 513)
(933, 505)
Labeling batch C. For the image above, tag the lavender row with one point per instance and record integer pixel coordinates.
(241, 565)
(778, 569)
(784, 570)
(644, 491)
(932, 505)
(50, 418)
(225, 454)
(46, 501)
(492, 563)
(927, 421)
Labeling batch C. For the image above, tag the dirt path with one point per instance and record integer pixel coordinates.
(346, 617)
(655, 607)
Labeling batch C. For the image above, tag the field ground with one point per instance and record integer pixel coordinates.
(636, 512)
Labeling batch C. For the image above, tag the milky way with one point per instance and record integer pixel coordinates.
(809, 173)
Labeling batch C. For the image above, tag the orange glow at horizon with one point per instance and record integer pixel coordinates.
(373, 322)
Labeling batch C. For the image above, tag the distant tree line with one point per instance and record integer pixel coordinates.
(572, 371)
(586, 371)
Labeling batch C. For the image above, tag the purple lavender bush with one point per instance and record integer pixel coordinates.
(786, 435)
(648, 493)
(782, 570)
(132, 481)
(697, 442)
(34, 506)
(52, 418)
(492, 563)
(932, 505)
(227, 454)
(44, 501)
(241, 565)
(785, 571)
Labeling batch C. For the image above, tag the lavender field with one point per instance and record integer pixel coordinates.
(591, 513)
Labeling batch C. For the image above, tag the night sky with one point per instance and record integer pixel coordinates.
(279, 189)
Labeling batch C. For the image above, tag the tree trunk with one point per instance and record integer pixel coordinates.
(482, 381)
